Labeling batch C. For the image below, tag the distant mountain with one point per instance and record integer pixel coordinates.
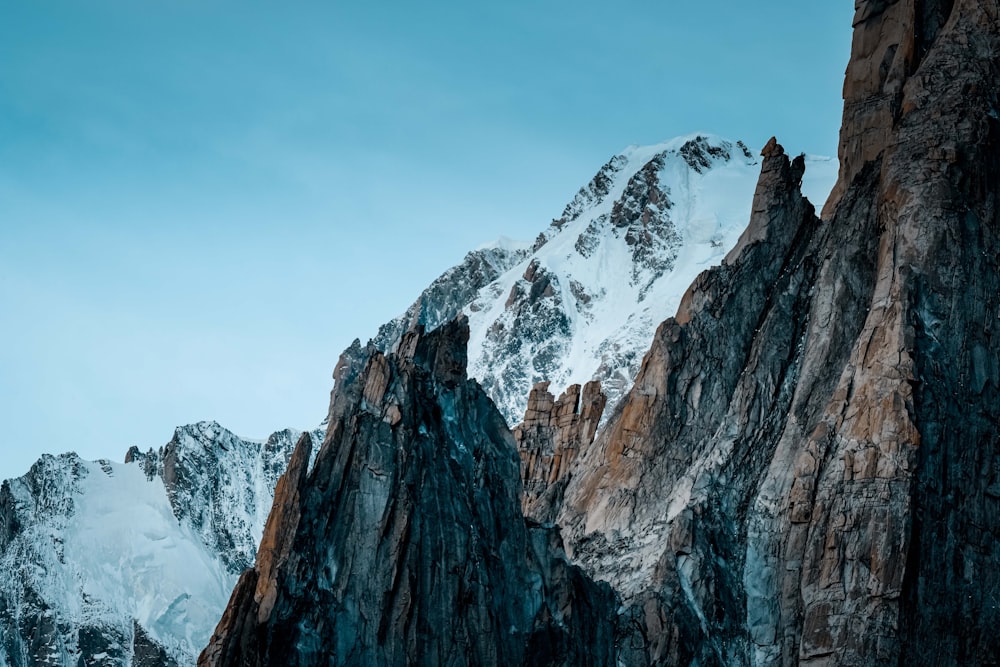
(132, 564)
(583, 300)
(806, 470)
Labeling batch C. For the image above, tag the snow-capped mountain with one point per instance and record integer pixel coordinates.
(132, 564)
(583, 300)
(804, 472)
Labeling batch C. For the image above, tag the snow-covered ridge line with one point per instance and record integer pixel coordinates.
(582, 301)
(132, 564)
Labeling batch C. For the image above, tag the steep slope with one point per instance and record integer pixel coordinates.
(581, 303)
(221, 485)
(805, 471)
(656, 506)
(406, 544)
(112, 564)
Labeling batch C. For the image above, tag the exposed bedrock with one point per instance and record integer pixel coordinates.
(806, 471)
(406, 543)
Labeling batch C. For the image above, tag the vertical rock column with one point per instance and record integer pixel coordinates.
(550, 438)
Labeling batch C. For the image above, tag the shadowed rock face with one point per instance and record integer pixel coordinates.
(655, 505)
(406, 544)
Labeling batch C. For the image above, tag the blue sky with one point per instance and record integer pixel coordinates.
(203, 203)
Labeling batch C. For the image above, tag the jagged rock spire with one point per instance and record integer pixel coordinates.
(812, 444)
(406, 543)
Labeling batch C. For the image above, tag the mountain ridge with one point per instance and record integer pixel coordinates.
(218, 486)
(581, 302)
(130, 564)
(805, 469)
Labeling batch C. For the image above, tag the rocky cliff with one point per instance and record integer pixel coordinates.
(550, 438)
(805, 471)
(582, 301)
(406, 543)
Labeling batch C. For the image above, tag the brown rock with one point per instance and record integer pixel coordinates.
(802, 473)
(253, 599)
(550, 437)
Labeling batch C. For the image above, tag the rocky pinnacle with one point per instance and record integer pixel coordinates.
(806, 469)
(406, 543)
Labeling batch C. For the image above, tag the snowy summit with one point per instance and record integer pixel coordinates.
(583, 300)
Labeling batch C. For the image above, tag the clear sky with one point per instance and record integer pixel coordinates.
(203, 202)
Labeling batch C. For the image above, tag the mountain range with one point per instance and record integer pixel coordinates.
(774, 441)
(803, 472)
(582, 301)
(132, 564)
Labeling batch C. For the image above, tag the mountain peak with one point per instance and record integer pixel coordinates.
(406, 543)
(582, 302)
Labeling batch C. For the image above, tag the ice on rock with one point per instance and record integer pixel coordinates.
(106, 560)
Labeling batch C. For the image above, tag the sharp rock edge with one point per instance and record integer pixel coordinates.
(581, 302)
(806, 469)
(406, 543)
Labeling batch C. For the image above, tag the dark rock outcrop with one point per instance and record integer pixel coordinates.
(642, 216)
(146, 652)
(406, 543)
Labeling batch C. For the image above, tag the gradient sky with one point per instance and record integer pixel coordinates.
(203, 202)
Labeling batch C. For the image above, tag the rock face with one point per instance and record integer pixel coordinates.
(454, 289)
(130, 565)
(805, 470)
(583, 300)
(406, 543)
(655, 506)
(550, 437)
